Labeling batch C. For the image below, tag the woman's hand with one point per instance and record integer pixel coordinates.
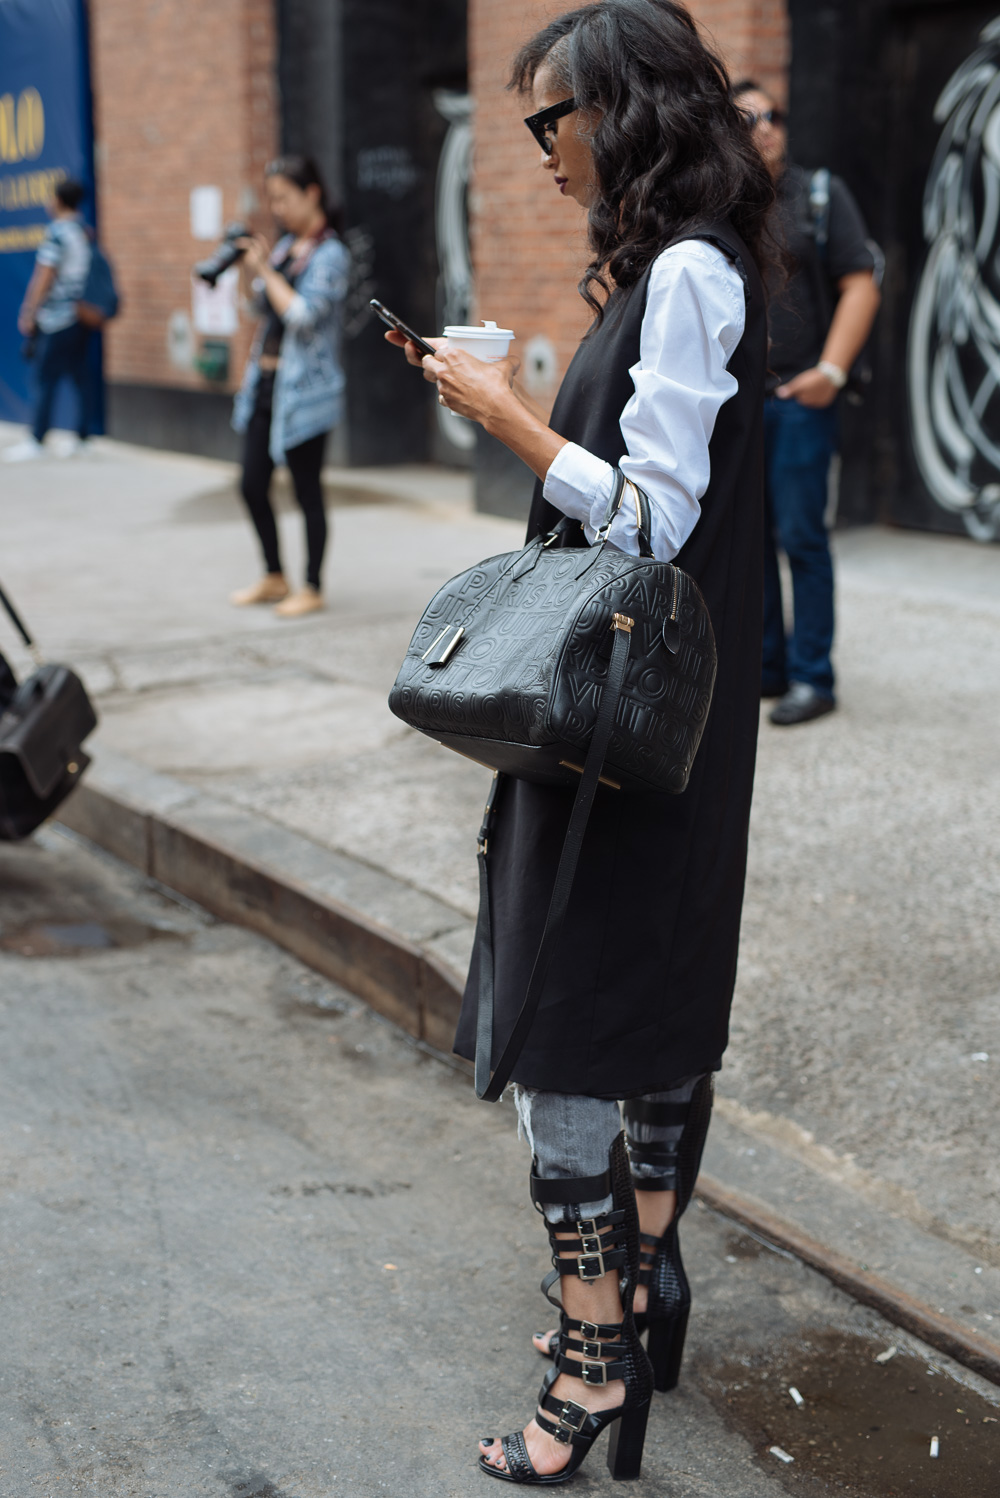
(484, 393)
(413, 354)
(256, 254)
(481, 392)
(465, 385)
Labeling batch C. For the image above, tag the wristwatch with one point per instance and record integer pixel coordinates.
(833, 372)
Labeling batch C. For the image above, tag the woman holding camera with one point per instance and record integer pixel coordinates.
(292, 390)
(637, 124)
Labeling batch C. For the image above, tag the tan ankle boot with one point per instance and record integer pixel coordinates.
(306, 601)
(272, 588)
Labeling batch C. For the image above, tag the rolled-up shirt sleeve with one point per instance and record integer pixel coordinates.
(694, 318)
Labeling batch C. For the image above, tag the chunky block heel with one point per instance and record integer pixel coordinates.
(661, 1268)
(666, 1349)
(628, 1435)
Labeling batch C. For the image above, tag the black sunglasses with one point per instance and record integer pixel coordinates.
(536, 123)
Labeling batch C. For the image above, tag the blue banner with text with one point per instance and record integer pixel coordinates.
(45, 136)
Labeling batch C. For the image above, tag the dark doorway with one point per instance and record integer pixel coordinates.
(362, 83)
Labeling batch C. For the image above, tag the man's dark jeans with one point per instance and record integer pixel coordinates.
(62, 356)
(798, 445)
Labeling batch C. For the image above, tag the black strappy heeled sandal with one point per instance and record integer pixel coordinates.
(661, 1267)
(602, 1245)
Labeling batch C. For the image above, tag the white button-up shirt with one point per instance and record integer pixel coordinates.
(694, 318)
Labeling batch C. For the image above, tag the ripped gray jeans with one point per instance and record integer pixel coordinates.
(571, 1136)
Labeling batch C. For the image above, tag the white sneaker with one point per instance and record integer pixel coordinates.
(23, 452)
(68, 445)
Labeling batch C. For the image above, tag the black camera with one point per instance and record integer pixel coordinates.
(211, 268)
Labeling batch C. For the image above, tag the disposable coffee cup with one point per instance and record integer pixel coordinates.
(487, 342)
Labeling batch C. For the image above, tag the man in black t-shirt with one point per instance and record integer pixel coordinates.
(819, 321)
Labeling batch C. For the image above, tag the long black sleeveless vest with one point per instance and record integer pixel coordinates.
(639, 993)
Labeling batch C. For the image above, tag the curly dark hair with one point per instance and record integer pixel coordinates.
(671, 151)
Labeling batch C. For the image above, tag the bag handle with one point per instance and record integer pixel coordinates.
(21, 627)
(642, 516)
(489, 1088)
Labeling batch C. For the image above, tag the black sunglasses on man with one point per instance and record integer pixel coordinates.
(536, 123)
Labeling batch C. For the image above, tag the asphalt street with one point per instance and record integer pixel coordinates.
(256, 1244)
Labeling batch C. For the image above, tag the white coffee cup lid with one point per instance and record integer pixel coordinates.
(487, 330)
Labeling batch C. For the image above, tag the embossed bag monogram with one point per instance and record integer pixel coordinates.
(561, 665)
(510, 659)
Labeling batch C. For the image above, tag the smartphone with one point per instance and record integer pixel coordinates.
(400, 327)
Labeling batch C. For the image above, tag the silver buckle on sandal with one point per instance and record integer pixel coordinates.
(591, 1244)
(572, 1418)
(595, 1374)
(592, 1349)
(584, 1263)
(590, 1330)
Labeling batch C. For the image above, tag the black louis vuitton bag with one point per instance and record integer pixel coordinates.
(566, 666)
(43, 723)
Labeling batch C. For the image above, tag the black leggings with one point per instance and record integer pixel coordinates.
(304, 464)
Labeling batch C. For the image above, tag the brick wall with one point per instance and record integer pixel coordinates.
(185, 95)
(528, 242)
(752, 37)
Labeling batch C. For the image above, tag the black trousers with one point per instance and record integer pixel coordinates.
(304, 464)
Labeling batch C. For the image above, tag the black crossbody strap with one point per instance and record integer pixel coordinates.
(487, 1087)
(17, 621)
(484, 944)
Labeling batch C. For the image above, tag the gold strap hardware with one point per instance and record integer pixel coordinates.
(614, 784)
(622, 621)
(483, 842)
(635, 500)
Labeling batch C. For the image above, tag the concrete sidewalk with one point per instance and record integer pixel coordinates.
(256, 758)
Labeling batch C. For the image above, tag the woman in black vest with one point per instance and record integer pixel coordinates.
(637, 124)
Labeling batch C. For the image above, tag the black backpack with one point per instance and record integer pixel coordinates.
(99, 300)
(43, 723)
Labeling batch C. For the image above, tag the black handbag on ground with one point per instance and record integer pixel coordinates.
(563, 665)
(43, 723)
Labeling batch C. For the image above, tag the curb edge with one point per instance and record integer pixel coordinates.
(933, 1327)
